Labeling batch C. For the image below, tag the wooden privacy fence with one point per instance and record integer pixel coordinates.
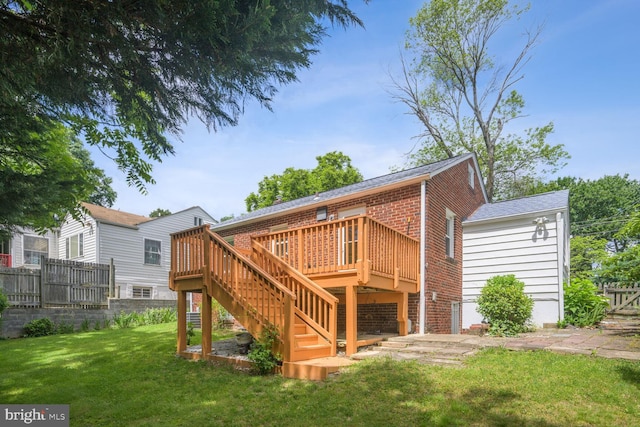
(58, 283)
(622, 297)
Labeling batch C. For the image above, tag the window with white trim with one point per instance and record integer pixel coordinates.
(449, 245)
(33, 248)
(472, 176)
(141, 292)
(197, 221)
(152, 251)
(74, 246)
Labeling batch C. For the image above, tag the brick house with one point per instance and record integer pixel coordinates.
(361, 243)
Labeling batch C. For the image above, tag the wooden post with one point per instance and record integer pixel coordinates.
(289, 328)
(112, 279)
(182, 321)
(43, 281)
(403, 314)
(351, 300)
(206, 322)
(301, 252)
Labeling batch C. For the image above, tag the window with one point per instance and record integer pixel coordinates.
(472, 176)
(449, 234)
(141, 292)
(75, 246)
(152, 251)
(197, 221)
(34, 248)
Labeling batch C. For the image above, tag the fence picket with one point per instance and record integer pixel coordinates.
(59, 283)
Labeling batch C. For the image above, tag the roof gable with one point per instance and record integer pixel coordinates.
(555, 200)
(113, 216)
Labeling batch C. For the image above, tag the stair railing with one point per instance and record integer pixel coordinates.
(313, 305)
(198, 252)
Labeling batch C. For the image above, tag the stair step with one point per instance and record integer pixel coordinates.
(299, 328)
(306, 339)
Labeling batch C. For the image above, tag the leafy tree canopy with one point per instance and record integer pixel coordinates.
(125, 74)
(157, 213)
(465, 98)
(587, 253)
(41, 179)
(103, 194)
(334, 170)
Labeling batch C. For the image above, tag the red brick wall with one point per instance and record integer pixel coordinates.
(447, 190)
(372, 318)
(400, 209)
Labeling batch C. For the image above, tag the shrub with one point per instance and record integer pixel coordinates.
(505, 306)
(151, 316)
(40, 328)
(261, 353)
(4, 302)
(582, 306)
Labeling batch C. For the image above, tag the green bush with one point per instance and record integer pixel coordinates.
(4, 302)
(151, 316)
(582, 306)
(40, 328)
(505, 306)
(261, 353)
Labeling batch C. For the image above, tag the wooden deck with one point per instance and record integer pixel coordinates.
(285, 281)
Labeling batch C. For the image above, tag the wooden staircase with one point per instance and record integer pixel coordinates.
(261, 291)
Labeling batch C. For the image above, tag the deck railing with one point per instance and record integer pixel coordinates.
(314, 305)
(346, 244)
(198, 252)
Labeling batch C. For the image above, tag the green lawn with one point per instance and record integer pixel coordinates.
(131, 377)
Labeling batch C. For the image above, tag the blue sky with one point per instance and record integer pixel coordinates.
(584, 77)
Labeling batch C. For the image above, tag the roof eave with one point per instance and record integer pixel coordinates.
(322, 202)
(515, 216)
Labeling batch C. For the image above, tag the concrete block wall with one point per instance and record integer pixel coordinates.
(14, 318)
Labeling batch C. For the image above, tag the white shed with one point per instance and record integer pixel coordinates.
(527, 237)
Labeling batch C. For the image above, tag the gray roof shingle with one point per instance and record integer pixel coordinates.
(554, 200)
(431, 169)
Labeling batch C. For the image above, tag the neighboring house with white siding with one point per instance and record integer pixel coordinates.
(527, 237)
(25, 248)
(139, 246)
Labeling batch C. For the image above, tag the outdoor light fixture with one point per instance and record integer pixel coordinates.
(321, 214)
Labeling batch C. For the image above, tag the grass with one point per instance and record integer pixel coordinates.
(131, 377)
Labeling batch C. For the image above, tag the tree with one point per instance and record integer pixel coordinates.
(102, 194)
(624, 267)
(334, 170)
(128, 74)
(41, 180)
(587, 252)
(470, 98)
(157, 213)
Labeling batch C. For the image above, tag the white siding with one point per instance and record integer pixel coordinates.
(89, 231)
(517, 246)
(125, 246)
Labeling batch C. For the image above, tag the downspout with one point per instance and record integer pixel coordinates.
(562, 253)
(423, 255)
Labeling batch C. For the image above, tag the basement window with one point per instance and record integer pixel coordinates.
(140, 292)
